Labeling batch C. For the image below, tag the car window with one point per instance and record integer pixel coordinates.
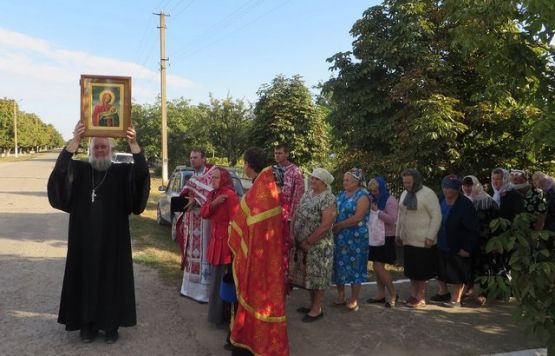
(238, 186)
(185, 177)
(176, 187)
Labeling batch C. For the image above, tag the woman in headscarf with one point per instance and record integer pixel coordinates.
(221, 205)
(385, 205)
(350, 257)
(457, 238)
(500, 182)
(312, 224)
(417, 227)
(485, 264)
(546, 184)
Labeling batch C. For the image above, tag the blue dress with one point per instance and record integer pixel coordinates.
(350, 255)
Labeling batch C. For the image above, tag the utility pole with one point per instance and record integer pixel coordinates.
(163, 61)
(15, 126)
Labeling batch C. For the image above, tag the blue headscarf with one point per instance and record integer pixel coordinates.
(381, 199)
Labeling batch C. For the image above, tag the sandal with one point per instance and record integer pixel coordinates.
(352, 307)
(417, 304)
(303, 310)
(392, 304)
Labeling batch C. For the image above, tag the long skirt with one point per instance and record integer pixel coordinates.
(219, 311)
(197, 270)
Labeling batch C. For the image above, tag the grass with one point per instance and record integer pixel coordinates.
(152, 244)
(20, 157)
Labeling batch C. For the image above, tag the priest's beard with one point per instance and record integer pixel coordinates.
(100, 164)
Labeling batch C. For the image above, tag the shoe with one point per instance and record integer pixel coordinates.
(309, 318)
(338, 302)
(375, 301)
(451, 304)
(441, 297)
(417, 304)
(303, 310)
(111, 336)
(351, 307)
(481, 300)
(87, 335)
(228, 346)
(392, 304)
(410, 299)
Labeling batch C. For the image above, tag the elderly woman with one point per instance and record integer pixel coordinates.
(387, 208)
(312, 224)
(417, 227)
(221, 205)
(457, 238)
(350, 256)
(485, 264)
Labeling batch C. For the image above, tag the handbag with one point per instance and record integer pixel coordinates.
(227, 289)
(376, 229)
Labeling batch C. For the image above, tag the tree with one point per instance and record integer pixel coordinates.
(286, 112)
(229, 122)
(187, 128)
(532, 265)
(32, 132)
(409, 95)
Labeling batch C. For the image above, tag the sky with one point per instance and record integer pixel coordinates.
(218, 47)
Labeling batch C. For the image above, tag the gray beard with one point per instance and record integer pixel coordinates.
(100, 164)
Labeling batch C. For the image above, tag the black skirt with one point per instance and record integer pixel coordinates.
(454, 269)
(385, 253)
(420, 262)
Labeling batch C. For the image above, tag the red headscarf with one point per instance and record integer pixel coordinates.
(225, 182)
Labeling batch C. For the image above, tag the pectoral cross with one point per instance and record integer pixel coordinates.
(93, 195)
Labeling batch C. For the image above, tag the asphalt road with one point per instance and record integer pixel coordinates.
(32, 257)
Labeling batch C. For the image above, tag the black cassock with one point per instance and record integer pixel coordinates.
(98, 283)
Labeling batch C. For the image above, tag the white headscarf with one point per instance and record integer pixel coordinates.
(323, 175)
(477, 190)
(504, 186)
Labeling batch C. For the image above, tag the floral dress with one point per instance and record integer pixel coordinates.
(350, 256)
(316, 265)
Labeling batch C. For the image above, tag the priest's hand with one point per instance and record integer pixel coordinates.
(78, 132)
(132, 139)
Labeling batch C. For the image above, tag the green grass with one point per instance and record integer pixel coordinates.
(152, 244)
(20, 157)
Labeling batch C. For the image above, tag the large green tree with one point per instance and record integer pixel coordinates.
(187, 128)
(229, 122)
(408, 94)
(32, 132)
(286, 112)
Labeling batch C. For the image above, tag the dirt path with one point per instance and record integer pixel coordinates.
(32, 258)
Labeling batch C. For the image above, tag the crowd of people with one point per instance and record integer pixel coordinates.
(282, 234)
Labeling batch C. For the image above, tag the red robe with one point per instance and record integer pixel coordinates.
(218, 249)
(256, 241)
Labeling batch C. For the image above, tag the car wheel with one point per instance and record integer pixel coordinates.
(174, 226)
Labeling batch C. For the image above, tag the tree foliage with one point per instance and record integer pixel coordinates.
(532, 266)
(229, 122)
(32, 132)
(420, 89)
(286, 112)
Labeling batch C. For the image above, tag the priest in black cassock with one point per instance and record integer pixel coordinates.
(98, 291)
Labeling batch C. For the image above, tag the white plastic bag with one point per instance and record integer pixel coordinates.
(376, 229)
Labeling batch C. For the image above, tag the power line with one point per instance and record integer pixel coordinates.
(179, 12)
(218, 40)
(220, 25)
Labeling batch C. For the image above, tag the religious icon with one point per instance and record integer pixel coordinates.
(105, 105)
